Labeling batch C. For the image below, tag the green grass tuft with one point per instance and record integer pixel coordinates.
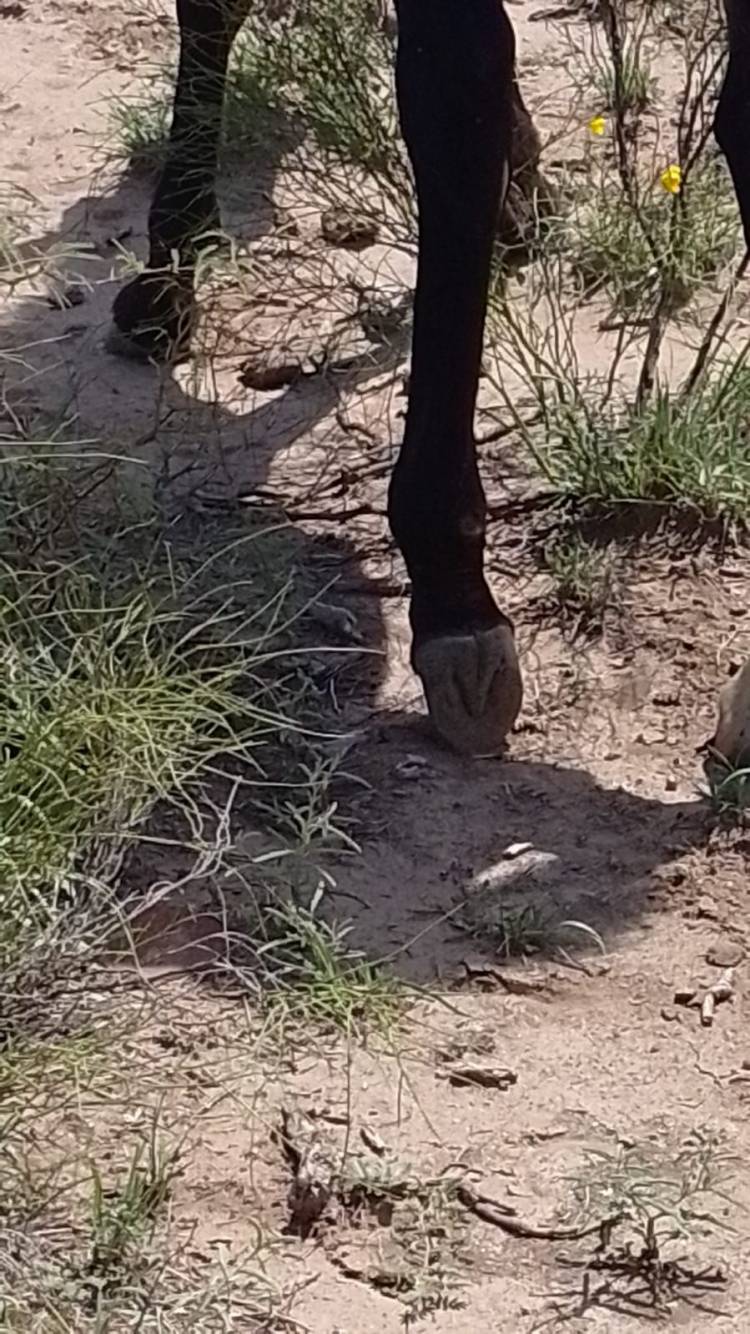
(689, 451)
(693, 237)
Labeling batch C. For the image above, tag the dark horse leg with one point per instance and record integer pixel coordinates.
(732, 122)
(455, 90)
(154, 314)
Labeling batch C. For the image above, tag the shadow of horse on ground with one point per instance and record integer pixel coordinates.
(432, 826)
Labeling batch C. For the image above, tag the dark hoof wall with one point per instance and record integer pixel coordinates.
(120, 344)
(154, 318)
(473, 688)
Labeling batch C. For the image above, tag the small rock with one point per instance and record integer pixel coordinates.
(670, 784)
(670, 1015)
(480, 1076)
(666, 698)
(337, 620)
(342, 227)
(517, 850)
(372, 1140)
(516, 984)
(72, 295)
(725, 953)
(706, 907)
(651, 736)
(414, 766)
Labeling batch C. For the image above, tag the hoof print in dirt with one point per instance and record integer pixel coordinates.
(348, 230)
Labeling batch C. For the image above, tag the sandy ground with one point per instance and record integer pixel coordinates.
(601, 781)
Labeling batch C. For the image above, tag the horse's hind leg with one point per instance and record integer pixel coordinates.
(153, 315)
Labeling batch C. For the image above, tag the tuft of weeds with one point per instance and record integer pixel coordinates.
(117, 693)
(675, 242)
(515, 932)
(147, 688)
(660, 1199)
(124, 1216)
(308, 972)
(581, 575)
(523, 931)
(419, 1263)
(647, 1186)
(140, 125)
(632, 90)
(674, 449)
(729, 792)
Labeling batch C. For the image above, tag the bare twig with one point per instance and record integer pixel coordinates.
(490, 1211)
(722, 989)
(479, 1076)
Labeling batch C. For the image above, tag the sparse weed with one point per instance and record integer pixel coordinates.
(338, 66)
(123, 1217)
(256, 80)
(648, 1188)
(309, 973)
(636, 84)
(679, 240)
(22, 262)
(729, 792)
(653, 1199)
(427, 1230)
(581, 576)
(515, 932)
(676, 449)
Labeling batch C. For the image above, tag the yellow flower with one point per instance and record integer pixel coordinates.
(597, 125)
(671, 178)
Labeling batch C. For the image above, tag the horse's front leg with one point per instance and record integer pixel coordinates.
(455, 88)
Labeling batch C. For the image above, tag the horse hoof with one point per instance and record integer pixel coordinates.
(153, 318)
(473, 687)
(120, 344)
(147, 347)
(730, 744)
